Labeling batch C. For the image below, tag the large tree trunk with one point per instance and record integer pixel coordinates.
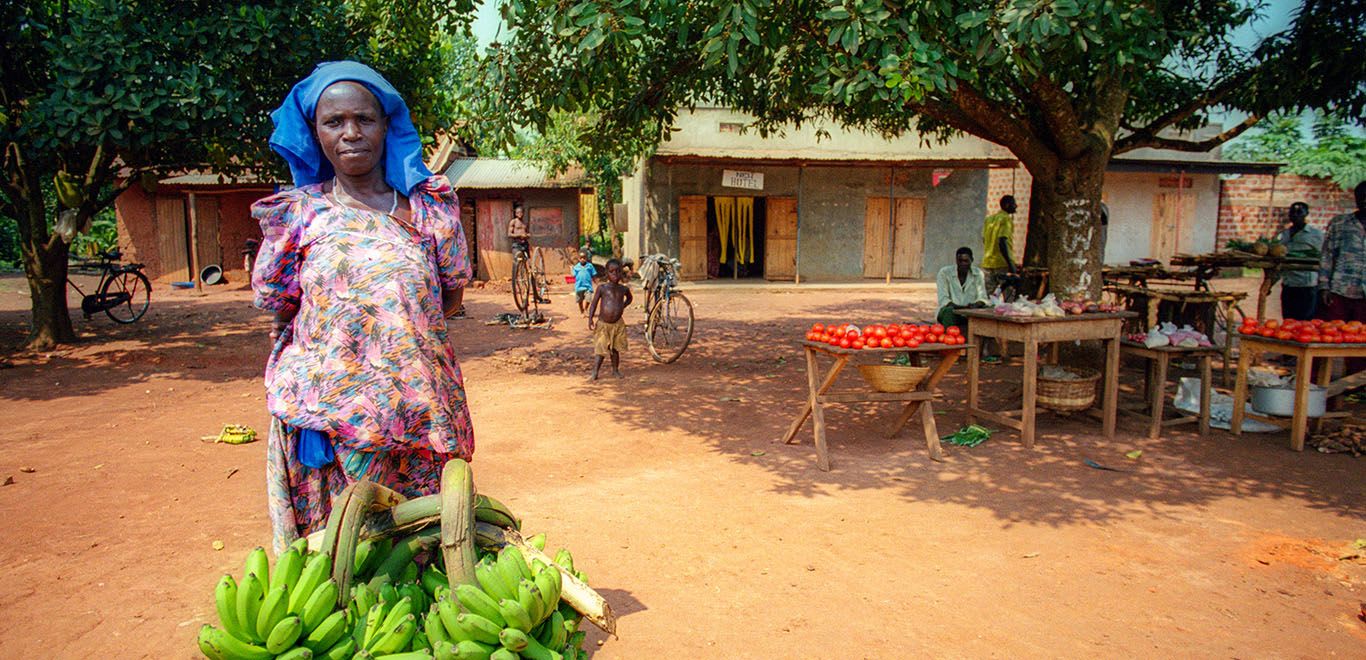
(1067, 204)
(1036, 237)
(45, 266)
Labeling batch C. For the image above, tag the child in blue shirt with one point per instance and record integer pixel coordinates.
(583, 281)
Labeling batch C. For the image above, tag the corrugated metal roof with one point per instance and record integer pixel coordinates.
(203, 178)
(503, 173)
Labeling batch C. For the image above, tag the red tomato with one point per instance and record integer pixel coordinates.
(857, 345)
(1317, 322)
(898, 341)
(1248, 330)
(893, 329)
(887, 342)
(817, 328)
(1304, 338)
(1285, 334)
(880, 332)
(906, 333)
(845, 343)
(936, 338)
(937, 329)
(1267, 332)
(851, 335)
(954, 330)
(913, 343)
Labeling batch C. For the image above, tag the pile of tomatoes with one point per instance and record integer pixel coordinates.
(1316, 331)
(891, 335)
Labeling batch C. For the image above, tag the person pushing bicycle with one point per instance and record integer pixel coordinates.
(519, 234)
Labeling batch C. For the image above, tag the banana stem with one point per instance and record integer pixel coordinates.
(457, 522)
(578, 594)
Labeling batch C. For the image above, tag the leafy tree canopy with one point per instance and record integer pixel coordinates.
(1331, 150)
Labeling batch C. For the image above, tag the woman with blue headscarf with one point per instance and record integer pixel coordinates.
(362, 262)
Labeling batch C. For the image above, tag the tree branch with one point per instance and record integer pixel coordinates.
(1000, 126)
(1180, 113)
(1059, 115)
(1139, 141)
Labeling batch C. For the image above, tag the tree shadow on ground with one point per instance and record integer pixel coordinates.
(741, 383)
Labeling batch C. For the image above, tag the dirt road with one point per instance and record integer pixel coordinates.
(710, 538)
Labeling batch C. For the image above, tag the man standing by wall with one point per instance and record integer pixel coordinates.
(998, 235)
(1298, 291)
(1342, 269)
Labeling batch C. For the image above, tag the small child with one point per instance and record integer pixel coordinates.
(583, 281)
(609, 331)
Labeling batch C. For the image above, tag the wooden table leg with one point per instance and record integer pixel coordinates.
(1206, 375)
(1324, 380)
(1304, 364)
(906, 414)
(1240, 390)
(1031, 376)
(930, 384)
(931, 431)
(1111, 404)
(791, 437)
(974, 364)
(1159, 394)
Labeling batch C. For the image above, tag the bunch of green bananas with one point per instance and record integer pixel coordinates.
(290, 612)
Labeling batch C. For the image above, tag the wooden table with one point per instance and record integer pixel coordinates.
(1035, 330)
(918, 399)
(1159, 359)
(1200, 305)
(1305, 354)
(1272, 267)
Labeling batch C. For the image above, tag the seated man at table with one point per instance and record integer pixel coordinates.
(961, 286)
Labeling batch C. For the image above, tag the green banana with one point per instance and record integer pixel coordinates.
(401, 609)
(319, 605)
(556, 635)
(424, 654)
(550, 582)
(365, 552)
(272, 612)
(444, 650)
(534, 651)
(284, 634)
(529, 597)
(517, 561)
(415, 593)
(300, 653)
(565, 560)
(475, 600)
(411, 573)
(477, 628)
(361, 600)
(515, 615)
(288, 567)
(258, 564)
(431, 624)
(388, 593)
(503, 654)
(217, 643)
(537, 541)
(250, 595)
(486, 571)
(318, 568)
(395, 639)
(470, 650)
(373, 619)
(513, 639)
(326, 634)
(225, 600)
(300, 545)
(342, 650)
(420, 641)
(398, 559)
(433, 579)
(492, 511)
(448, 612)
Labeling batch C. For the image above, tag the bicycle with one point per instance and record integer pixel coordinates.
(124, 293)
(529, 284)
(669, 315)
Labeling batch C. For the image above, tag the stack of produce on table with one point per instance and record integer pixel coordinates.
(1316, 331)
(1050, 306)
(891, 335)
(1167, 334)
(400, 604)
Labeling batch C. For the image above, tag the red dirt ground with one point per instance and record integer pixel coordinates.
(709, 537)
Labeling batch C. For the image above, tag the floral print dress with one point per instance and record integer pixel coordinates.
(366, 359)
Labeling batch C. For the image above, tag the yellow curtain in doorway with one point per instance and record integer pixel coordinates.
(744, 230)
(725, 222)
(588, 214)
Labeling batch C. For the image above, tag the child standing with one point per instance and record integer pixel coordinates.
(583, 281)
(604, 319)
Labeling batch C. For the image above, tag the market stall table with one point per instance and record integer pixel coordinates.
(1207, 265)
(1035, 330)
(917, 399)
(1196, 308)
(1159, 359)
(1304, 354)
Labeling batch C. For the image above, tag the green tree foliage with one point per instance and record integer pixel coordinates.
(101, 94)
(1332, 149)
(1063, 84)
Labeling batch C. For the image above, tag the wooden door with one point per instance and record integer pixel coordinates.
(207, 250)
(172, 247)
(876, 226)
(780, 238)
(1171, 212)
(908, 252)
(692, 237)
(495, 250)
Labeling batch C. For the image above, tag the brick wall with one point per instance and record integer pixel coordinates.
(1015, 182)
(1255, 205)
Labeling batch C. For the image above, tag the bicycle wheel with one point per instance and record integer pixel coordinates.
(542, 287)
(520, 290)
(668, 329)
(132, 291)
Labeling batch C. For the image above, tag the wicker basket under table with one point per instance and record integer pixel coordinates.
(1069, 395)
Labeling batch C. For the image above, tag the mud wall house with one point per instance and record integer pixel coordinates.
(488, 187)
(804, 206)
(185, 223)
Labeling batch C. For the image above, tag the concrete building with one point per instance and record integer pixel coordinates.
(488, 187)
(815, 203)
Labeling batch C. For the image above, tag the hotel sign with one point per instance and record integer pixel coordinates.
(738, 179)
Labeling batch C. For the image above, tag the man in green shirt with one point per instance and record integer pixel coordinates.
(1299, 295)
(960, 286)
(998, 236)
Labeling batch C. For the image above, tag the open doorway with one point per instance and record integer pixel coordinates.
(735, 237)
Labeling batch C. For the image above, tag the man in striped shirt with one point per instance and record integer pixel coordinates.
(1342, 269)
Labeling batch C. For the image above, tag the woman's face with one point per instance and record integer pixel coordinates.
(350, 126)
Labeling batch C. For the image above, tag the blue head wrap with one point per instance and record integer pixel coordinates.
(293, 137)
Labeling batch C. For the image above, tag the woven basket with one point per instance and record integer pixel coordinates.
(1069, 395)
(892, 377)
